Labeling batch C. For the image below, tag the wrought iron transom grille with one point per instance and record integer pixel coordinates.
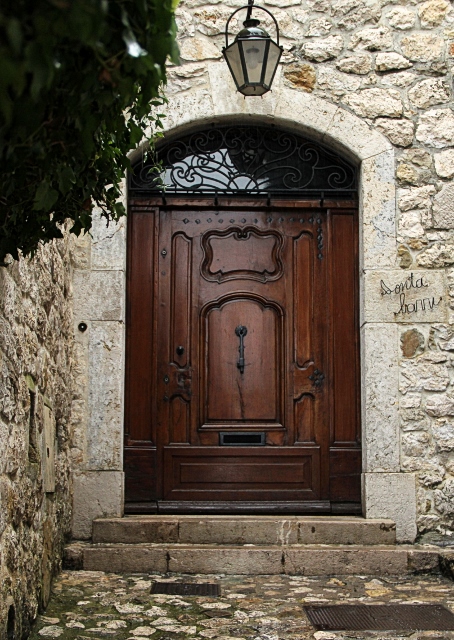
(242, 160)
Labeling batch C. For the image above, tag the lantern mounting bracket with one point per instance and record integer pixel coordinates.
(249, 7)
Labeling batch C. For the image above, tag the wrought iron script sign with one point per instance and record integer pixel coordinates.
(424, 302)
(244, 160)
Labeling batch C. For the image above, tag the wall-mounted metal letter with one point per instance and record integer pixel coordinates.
(241, 332)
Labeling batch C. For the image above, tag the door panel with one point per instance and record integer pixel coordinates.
(230, 474)
(253, 396)
(288, 279)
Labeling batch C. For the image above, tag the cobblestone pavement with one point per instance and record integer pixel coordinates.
(87, 605)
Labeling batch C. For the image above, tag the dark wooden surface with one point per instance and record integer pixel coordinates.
(194, 274)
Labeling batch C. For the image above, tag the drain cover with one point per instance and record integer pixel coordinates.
(381, 617)
(187, 588)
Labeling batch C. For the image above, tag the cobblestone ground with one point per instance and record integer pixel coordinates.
(86, 605)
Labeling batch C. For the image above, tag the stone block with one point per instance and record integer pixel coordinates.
(423, 560)
(125, 558)
(392, 495)
(227, 100)
(189, 107)
(447, 564)
(443, 209)
(228, 560)
(97, 494)
(358, 531)
(378, 201)
(380, 400)
(238, 530)
(366, 143)
(108, 247)
(309, 113)
(310, 561)
(105, 396)
(400, 296)
(73, 557)
(98, 295)
(135, 530)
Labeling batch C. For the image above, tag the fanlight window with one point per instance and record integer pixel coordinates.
(240, 160)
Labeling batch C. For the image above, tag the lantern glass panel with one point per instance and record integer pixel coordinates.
(232, 55)
(274, 55)
(254, 51)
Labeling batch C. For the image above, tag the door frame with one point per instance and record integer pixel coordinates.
(137, 464)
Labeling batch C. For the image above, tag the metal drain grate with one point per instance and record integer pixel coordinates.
(187, 588)
(384, 617)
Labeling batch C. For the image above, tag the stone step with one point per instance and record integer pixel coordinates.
(293, 559)
(240, 530)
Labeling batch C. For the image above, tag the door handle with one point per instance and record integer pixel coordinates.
(241, 331)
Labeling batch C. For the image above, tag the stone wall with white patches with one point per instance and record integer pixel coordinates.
(36, 355)
(373, 79)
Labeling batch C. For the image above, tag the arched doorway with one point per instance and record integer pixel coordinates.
(242, 386)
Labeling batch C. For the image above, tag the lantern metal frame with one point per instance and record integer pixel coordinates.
(249, 18)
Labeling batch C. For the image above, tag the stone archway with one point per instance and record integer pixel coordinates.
(386, 491)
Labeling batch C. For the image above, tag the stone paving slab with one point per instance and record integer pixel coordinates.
(93, 605)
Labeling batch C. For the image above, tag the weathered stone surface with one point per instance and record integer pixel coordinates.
(433, 12)
(239, 530)
(405, 258)
(443, 209)
(416, 198)
(401, 17)
(36, 368)
(380, 402)
(400, 132)
(371, 103)
(344, 561)
(323, 49)
(318, 27)
(440, 405)
(444, 498)
(233, 560)
(360, 63)
(412, 343)
(444, 163)
(399, 79)
(346, 531)
(211, 21)
(438, 255)
(372, 39)
(436, 128)
(129, 558)
(97, 494)
(422, 47)
(194, 49)
(301, 76)
(392, 495)
(429, 92)
(334, 84)
(443, 435)
(135, 530)
(391, 62)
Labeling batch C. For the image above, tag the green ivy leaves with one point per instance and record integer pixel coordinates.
(79, 83)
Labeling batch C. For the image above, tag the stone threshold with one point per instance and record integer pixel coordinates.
(296, 559)
(239, 530)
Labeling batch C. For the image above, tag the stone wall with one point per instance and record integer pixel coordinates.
(35, 402)
(390, 63)
(373, 80)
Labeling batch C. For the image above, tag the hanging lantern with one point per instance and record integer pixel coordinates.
(252, 57)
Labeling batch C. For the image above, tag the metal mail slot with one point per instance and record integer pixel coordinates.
(242, 439)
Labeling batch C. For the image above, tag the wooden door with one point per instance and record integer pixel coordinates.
(242, 385)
